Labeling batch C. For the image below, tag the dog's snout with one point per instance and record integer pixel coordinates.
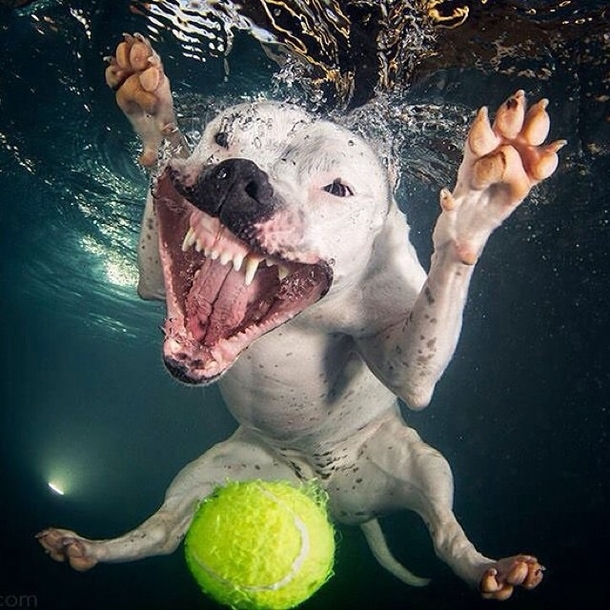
(234, 190)
(239, 177)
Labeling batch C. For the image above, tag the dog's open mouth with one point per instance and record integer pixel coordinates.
(222, 292)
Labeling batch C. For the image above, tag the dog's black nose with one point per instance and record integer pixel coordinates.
(236, 191)
(241, 176)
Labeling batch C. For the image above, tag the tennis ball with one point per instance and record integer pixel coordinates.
(261, 545)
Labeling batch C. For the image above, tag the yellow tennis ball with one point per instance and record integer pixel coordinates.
(261, 545)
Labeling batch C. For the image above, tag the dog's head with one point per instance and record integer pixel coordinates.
(272, 212)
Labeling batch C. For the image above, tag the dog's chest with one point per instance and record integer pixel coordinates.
(296, 387)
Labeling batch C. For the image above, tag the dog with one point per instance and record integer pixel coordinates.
(289, 279)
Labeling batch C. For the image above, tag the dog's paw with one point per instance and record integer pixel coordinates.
(63, 544)
(499, 581)
(502, 162)
(510, 154)
(143, 92)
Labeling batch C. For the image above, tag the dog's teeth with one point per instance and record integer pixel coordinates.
(251, 267)
(210, 365)
(225, 257)
(238, 261)
(282, 272)
(189, 240)
(214, 254)
(198, 246)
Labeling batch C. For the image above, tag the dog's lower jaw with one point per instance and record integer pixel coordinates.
(200, 347)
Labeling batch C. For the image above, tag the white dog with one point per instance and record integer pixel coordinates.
(289, 277)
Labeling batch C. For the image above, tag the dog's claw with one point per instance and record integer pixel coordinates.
(510, 115)
(499, 581)
(446, 200)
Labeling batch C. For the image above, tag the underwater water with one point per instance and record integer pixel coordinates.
(522, 413)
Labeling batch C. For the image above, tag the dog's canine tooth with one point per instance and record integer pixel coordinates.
(282, 272)
(189, 239)
(252, 263)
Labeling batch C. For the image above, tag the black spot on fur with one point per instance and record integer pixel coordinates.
(428, 294)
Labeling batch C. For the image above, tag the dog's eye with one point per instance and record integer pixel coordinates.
(222, 139)
(338, 189)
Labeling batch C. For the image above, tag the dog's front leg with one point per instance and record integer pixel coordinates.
(135, 72)
(241, 457)
(143, 93)
(501, 164)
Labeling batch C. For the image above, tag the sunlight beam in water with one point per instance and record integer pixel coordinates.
(116, 268)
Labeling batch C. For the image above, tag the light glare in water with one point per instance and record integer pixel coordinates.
(56, 488)
(117, 269)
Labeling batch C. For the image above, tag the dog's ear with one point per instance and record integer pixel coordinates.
(400, 265)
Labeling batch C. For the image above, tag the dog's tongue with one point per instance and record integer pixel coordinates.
(216, 303)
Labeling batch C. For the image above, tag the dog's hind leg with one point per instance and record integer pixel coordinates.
(397, 470)
(241, 457)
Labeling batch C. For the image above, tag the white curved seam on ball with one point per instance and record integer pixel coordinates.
(296, 564)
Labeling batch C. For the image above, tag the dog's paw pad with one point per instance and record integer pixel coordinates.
(509, 117)
(140, 53)
(62, 544)
(482, 139)
(536, 124)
